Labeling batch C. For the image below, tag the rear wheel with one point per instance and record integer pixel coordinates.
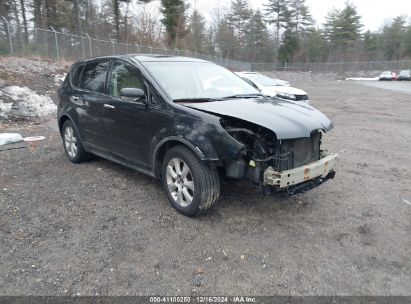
(192, 186)
(72, 144)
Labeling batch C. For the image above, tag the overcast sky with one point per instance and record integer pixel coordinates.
(374, 12)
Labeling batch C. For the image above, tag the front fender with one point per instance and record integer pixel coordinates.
(197, 151)
(203, 135)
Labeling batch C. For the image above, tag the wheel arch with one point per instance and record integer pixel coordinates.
(62, 120)
(167, 143)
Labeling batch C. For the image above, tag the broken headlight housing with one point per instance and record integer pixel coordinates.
(286, 96)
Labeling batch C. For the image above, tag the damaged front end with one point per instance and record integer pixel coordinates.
(278, 165)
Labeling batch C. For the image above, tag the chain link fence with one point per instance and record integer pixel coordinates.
(63, 46)
(17, 41)
(334, 67)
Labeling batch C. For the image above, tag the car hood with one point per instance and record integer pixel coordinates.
(286, 119)
(272, 91)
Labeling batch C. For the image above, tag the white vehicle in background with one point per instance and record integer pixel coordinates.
(274, 87)
(286, 83)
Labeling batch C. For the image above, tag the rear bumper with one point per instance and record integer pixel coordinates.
(316, 172)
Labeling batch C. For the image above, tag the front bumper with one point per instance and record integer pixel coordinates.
(321, 169)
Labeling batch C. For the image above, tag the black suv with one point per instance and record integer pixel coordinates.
(189, 123)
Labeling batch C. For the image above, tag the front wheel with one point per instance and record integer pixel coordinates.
(192, 186)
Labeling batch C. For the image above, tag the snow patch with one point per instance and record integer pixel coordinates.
(5, 107)
(362, 78)
(22, 102)
(10, 138)
(59, 78)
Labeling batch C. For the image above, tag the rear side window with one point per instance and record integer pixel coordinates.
(94, 76)
(76, 75)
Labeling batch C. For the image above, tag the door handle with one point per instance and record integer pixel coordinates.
(108, 106)
(77, 100)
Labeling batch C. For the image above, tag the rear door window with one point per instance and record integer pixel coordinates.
(94, 76)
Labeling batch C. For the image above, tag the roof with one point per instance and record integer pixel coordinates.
(249, 73)
(163, 58)
(148, 58)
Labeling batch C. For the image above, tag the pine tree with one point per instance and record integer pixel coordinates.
(330, 25)
(117, 15)
(289, 46)
(371, 46)
(348, 27)
(299, 23)
(393, 37)
(173, 20)
(343, 30)
(407, 42)
(239, 17)
(197, 32)
(258, 44)
(277, 13)
(225, 39)
(301, 18)
(316, 46)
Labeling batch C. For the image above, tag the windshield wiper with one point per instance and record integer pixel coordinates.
(209, 99)
(198, 99)
(238, 96)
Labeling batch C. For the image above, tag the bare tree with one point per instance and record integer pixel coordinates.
(147, 27)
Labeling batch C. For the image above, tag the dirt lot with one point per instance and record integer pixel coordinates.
(98, 228)
(396, 86)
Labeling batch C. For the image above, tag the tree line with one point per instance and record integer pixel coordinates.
(282, 31)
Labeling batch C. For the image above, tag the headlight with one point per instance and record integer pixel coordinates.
(286, 96)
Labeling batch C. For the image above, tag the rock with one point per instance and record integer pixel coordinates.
(282, 284)
(198, 281)
(407, 202)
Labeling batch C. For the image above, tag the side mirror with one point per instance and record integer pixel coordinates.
(134, 93)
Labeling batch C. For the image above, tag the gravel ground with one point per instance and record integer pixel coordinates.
(396, 86)
(99, 228)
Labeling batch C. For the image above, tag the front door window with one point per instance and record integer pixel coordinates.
(123, 76)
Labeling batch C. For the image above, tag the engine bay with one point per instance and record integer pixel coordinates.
(262, 149)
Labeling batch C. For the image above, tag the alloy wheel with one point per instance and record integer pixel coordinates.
(70, 141)
(180, 182)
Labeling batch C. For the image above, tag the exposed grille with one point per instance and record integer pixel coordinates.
(301, 97)
(297, 152)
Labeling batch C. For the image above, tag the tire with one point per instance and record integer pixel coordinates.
(72, 145)
(200, 183)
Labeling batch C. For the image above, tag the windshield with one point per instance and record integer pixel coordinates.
(386, 73)
(265, 81)
(198, 80)
(405, 73)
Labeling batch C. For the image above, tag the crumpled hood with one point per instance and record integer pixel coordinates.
(272, 91)
(286, 119)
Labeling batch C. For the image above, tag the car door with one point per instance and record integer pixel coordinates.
(90, 98)
(126, 119)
